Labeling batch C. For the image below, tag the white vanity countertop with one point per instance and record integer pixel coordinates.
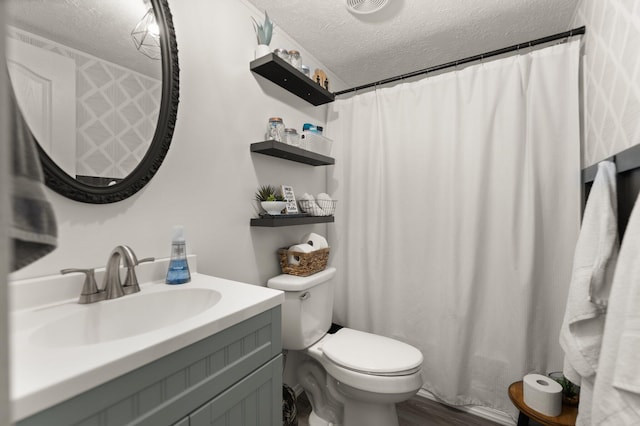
(42, 375)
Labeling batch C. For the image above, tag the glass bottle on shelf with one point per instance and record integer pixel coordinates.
(291, 137)
(295, 60)
(283, 53)
(275, 129)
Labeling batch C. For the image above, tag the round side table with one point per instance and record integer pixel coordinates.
(566, 418)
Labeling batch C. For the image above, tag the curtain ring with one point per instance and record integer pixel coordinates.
(569, 36)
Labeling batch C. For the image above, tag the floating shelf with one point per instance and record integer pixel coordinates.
(275, 69)
(283, 220)
(292, 153)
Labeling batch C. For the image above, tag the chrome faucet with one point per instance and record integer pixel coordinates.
(90, 292)
(112, 286)
(112, 283)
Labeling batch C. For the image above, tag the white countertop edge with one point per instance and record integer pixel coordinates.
(29, 400)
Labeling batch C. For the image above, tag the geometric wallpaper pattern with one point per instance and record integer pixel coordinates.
(611, 71)
(116, 111)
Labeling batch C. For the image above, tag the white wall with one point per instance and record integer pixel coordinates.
(611, 72)
(5, 207)
(208, 178)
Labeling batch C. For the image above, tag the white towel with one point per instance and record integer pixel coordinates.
(593, 267)
(33, 228)
(616, 395)
(308, 205)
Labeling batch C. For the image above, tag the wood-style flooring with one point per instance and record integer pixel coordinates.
(417, 411)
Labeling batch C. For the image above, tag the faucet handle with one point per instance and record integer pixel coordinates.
(90, 292)
(131, 281)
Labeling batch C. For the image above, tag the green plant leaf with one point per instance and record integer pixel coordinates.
(255, 28)
(268, 28)
(266, 193)
(263, 31)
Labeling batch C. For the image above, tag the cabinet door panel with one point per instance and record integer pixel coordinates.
(166, 390)
(255, 400)
(183, 422)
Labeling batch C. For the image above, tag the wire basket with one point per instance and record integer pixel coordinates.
(318, 207)
(307, 263)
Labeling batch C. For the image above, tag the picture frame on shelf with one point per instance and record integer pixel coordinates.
(290, 199)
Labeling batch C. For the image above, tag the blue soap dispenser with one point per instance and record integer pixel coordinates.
(178, 272)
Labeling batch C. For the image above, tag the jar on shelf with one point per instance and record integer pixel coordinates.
(295, 59)
(283, 53)
(305, 71)
(275, 129)
(291, 137)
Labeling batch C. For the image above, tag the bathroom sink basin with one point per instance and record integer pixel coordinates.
(124, 317)
(61, 348)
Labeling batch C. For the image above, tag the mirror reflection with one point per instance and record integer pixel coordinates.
(88, 80)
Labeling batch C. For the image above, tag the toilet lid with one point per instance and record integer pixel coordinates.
(372, 354)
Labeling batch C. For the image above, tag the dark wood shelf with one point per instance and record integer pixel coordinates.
(292, 153)
(283, 220)
(275, 69)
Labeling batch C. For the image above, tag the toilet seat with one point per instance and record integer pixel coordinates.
(358, 366)
(372, 354)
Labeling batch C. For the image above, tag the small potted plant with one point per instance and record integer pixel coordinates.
(570, 392)
(263, 35)
(270, 199)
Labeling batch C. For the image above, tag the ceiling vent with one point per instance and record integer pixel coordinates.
(365, 7)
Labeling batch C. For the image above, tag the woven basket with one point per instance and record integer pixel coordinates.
(309, 263)
(318, 207)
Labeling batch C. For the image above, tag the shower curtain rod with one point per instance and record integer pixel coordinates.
(566, 34)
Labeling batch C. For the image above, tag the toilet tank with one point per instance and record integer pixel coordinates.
(307, 307)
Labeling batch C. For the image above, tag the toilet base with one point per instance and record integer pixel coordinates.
(362, 408)
(326, 410)
(334, 403)
(361, 415)
(315, 420)
(355, 412)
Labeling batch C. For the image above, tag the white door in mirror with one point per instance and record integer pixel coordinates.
(45, 87)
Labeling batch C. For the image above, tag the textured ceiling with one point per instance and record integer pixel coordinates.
(101, 28)
(408, 35)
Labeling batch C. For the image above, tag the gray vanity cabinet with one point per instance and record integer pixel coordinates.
(231, 378)
(248, 402)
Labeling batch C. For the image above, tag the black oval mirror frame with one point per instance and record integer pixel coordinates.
(62, 183)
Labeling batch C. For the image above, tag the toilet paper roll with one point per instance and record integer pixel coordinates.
(300, 248)
(542, 394)
(314, 240)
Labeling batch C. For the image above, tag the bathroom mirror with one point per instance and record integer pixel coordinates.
(101, 104)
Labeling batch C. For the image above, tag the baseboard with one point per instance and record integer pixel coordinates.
(484, 412)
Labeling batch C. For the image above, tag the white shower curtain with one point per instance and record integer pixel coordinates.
(459, 206)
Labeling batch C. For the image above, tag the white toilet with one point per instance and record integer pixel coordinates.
(352, 378)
